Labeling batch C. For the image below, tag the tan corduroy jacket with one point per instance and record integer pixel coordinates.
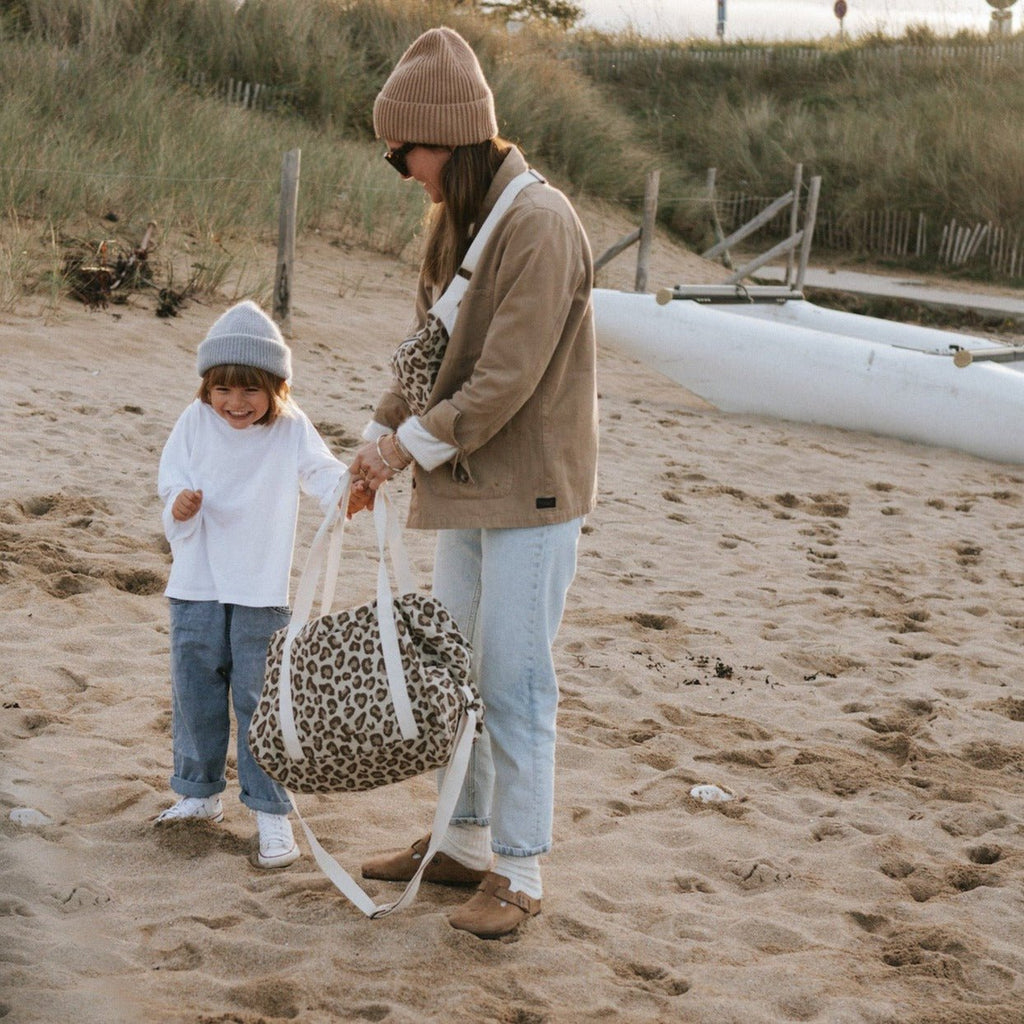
(516, 393)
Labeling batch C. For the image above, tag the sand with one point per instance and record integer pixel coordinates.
(825, 624)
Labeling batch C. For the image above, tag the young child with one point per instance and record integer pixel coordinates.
(230, 475)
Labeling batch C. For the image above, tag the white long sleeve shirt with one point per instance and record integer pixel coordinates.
(237, 549)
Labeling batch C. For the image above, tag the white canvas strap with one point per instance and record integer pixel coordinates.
(447, 306)
(446, 801)
(326, 546)
(389, 542)
(302, 606)
(386, 624)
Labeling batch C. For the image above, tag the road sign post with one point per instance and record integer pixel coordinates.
(840, 12)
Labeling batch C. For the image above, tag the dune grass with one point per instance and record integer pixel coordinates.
(880, 125)
(112, 115)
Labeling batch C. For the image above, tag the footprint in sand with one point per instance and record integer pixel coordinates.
(184, 957)
(930, 952)
(572, 929)
(1010, 707)
(991, 756)
(650, 620)
(832, 506)
(985, 854)
(758, 874)
(31, 540)
(967, 553)
(273, 997)
(80, 897)
(652, 978)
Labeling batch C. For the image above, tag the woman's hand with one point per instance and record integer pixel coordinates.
(375, 463)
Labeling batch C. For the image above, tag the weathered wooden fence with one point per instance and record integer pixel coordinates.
(798, 240)
(883, 232)
(987, 57)
(785, 208)
(251, 95)
(893, 233)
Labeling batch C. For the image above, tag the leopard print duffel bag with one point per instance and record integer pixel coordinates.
(361, 698)
(344, 716)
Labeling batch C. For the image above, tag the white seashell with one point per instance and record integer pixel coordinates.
(710, 794)
(29, 816)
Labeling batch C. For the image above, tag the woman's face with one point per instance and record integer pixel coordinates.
(426, 164)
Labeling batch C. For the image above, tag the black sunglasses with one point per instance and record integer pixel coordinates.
(396, 157)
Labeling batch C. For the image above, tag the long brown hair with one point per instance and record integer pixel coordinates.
(233, 375)
(464, 183)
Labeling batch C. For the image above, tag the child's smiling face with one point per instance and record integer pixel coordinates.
(239, 406)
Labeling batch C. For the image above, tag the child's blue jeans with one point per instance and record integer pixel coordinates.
(218, 659)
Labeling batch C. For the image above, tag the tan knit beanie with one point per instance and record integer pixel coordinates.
(436, 95)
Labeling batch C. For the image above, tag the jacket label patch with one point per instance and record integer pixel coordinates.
(546, 503)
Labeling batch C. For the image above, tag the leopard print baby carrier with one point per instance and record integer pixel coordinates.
(417, 360)
(361, 698)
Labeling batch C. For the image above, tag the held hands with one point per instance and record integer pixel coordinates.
(375, 463)
(186, 505)
(359, 497)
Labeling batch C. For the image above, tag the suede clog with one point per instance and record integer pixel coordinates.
(401, 865)
(494, 910)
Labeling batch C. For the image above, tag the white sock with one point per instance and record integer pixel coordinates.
(470, 845)
(523, 874)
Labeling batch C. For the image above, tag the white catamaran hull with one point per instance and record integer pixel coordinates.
(800, 313)
(752, 365)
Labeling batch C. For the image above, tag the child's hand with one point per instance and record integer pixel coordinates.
(359, 497)
(186, 505)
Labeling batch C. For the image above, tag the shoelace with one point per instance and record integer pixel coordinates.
(274, 831)
(187, 807)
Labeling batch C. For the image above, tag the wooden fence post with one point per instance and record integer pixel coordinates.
(612, 251)
(750, 227)
(716, 224)
(286, 238)
(810, 215)
(647, 229)
(794, 217)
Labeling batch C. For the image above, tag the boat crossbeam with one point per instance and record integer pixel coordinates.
(721, 293)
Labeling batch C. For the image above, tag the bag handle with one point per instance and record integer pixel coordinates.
(446, 801)
(329, 536)
(447, 306)
(386, 622)
(389, 536)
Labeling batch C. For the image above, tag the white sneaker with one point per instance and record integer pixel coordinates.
(193, 808)
(277, 844)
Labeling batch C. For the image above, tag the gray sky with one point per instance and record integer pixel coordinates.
(756, 20)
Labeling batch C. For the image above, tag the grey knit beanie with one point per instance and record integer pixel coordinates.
(436, 95)
(245, 336)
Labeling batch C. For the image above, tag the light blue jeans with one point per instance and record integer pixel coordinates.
(218, 658)
(506, 591)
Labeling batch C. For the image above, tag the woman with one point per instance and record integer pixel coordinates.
(503, 460)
